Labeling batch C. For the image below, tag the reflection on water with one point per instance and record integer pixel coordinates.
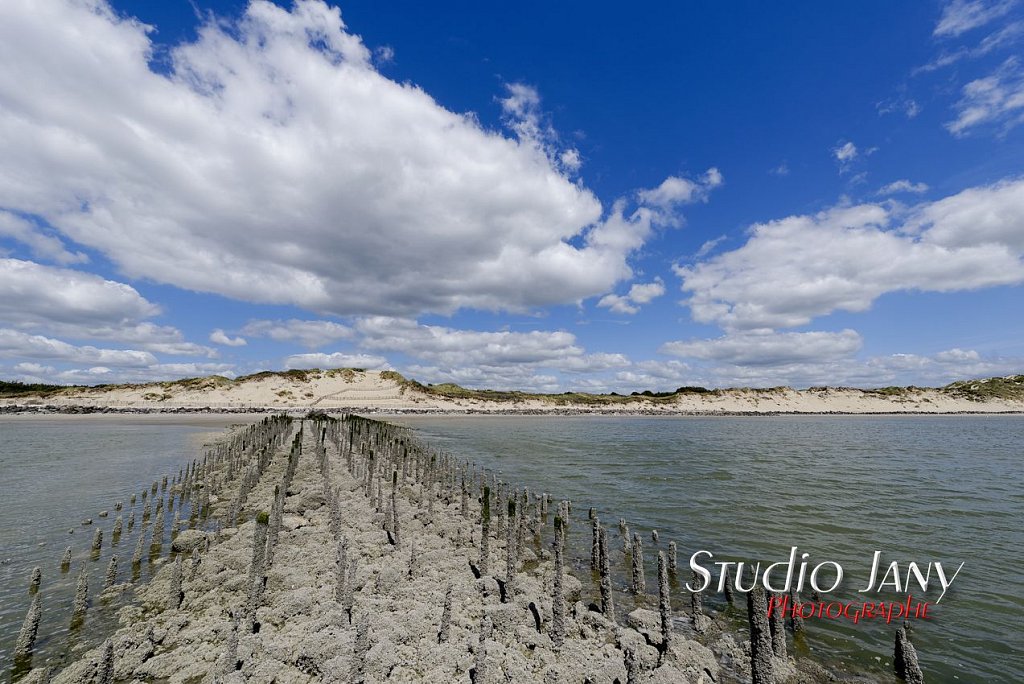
(948, 489)
(57, 473)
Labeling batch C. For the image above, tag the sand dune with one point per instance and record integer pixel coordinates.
(388, 392)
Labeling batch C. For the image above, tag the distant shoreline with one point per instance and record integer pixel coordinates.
(77, 410)
(385, 393)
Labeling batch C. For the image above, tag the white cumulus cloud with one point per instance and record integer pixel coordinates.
(17, 344)
(32, 293)
(639, 293)
(336, 360)
(480, 358)
(158, 372)
(83, 306)
(41, 244)
(901, 186)
(769, 348)
(452, 346)
(273, 163)
(674, 190)
(218, 336)
(795, 269)
(310, 334)
(845, 154)
(960, 16)
(994, 99)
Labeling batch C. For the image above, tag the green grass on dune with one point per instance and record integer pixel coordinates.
(22, 389)
(449, 390)
(1010, 387)
(210, 382)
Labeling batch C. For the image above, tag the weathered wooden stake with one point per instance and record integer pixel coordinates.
(29, 630)
(760, 637)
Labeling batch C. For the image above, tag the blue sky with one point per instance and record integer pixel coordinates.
(579, 196)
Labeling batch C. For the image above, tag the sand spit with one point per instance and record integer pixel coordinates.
(386, 392)
(343, 551)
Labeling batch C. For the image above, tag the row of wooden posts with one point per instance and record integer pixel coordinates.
(192, 487)
(382, 456)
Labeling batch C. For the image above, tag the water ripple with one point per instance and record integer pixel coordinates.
(922, 489)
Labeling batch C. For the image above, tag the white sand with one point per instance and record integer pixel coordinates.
(368, 391)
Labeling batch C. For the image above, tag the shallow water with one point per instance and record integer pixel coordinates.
(56, 472)
(922, 489)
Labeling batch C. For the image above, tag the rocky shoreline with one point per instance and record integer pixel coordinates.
(342, 550)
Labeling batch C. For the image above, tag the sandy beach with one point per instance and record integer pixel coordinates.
(388, 393)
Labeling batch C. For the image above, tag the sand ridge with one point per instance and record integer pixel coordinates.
(386, 392)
